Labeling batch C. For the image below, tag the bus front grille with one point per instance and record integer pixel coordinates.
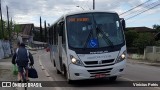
(91, 62)
(107, 61)
(103, 62)
(100, 71)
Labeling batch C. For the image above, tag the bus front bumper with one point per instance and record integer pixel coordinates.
(80, 72)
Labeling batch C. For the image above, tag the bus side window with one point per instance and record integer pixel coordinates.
(61, 30)
(54, 34)
(50, 35)
(63, 36)
(52, 29)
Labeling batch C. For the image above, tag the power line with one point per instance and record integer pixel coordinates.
(87, 5)
(143, 12)
(137, 11)
(135, 7)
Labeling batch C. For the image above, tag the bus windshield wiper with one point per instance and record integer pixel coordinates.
(104, 36)
(88, 37)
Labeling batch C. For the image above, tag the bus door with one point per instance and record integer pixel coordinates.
(60, 30)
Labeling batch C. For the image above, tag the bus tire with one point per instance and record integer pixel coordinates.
(58, 72)
(70, 81)
(54, 63)
(66, 76)
(112, 79)
(65, 72)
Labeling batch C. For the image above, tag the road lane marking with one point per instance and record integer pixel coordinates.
(127, 79)
(44, 70)
(42, 67)
(157, 88)
(47, 74)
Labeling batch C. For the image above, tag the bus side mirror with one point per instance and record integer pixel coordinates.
(123, 23)
(60, 28)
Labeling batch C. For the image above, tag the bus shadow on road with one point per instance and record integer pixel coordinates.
(95, 83)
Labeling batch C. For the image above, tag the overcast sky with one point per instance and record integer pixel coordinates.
(29, 11)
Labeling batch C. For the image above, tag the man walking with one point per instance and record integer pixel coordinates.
(22, 57)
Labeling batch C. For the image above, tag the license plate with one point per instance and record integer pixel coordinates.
(100, 75)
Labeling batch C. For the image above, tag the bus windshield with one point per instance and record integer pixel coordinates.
(94, 30)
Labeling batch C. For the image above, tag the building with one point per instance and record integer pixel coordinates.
(24, 32)
(142, 29)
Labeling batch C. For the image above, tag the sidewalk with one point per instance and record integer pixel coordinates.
(133, 61)
(6, 72)
(34, 48)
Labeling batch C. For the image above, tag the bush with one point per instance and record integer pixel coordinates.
(143, 40)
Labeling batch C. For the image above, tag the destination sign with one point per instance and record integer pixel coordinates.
(78, 19)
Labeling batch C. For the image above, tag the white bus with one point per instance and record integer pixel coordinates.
(88, 45)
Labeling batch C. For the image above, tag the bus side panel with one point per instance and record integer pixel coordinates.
(51, 53)
(64, 56)
(55, 55)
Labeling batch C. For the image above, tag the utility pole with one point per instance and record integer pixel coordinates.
(45, 28)
(1, 21)
(10, 27)
(93, 4)
(9, 33)
(40, 30)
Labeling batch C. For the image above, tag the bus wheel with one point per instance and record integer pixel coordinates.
(112, 78)
(54, 63)
(66, 76)
(58, 72)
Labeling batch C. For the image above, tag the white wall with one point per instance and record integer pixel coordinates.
(1, 50)
(5, 50)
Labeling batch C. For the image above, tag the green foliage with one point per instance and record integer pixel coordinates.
(17, 29)
(157, 43)
(130, 37)
(6, 33)
(156, 27)
(143, 40)
(4, 29)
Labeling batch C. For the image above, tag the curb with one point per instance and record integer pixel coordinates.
(146, 63)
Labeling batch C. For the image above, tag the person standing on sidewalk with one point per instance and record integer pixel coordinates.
(22, 57)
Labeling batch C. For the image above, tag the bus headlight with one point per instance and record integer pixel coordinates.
(121, 57)
(76, 61)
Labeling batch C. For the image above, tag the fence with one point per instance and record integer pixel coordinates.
(152, 53)
(5, 50)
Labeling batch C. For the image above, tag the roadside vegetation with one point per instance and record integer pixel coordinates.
(137, 42)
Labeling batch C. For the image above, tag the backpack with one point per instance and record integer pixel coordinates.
(20, 61)
(17, 52)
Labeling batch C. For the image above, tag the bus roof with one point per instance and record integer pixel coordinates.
(80, 12)
(86, 11)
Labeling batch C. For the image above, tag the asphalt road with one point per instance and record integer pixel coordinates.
(133, 72)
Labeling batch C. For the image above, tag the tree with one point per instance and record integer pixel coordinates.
(130, 37)
(157, 43)
(143, 40)
(6, 33)
(156, 27)
(17, 29)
